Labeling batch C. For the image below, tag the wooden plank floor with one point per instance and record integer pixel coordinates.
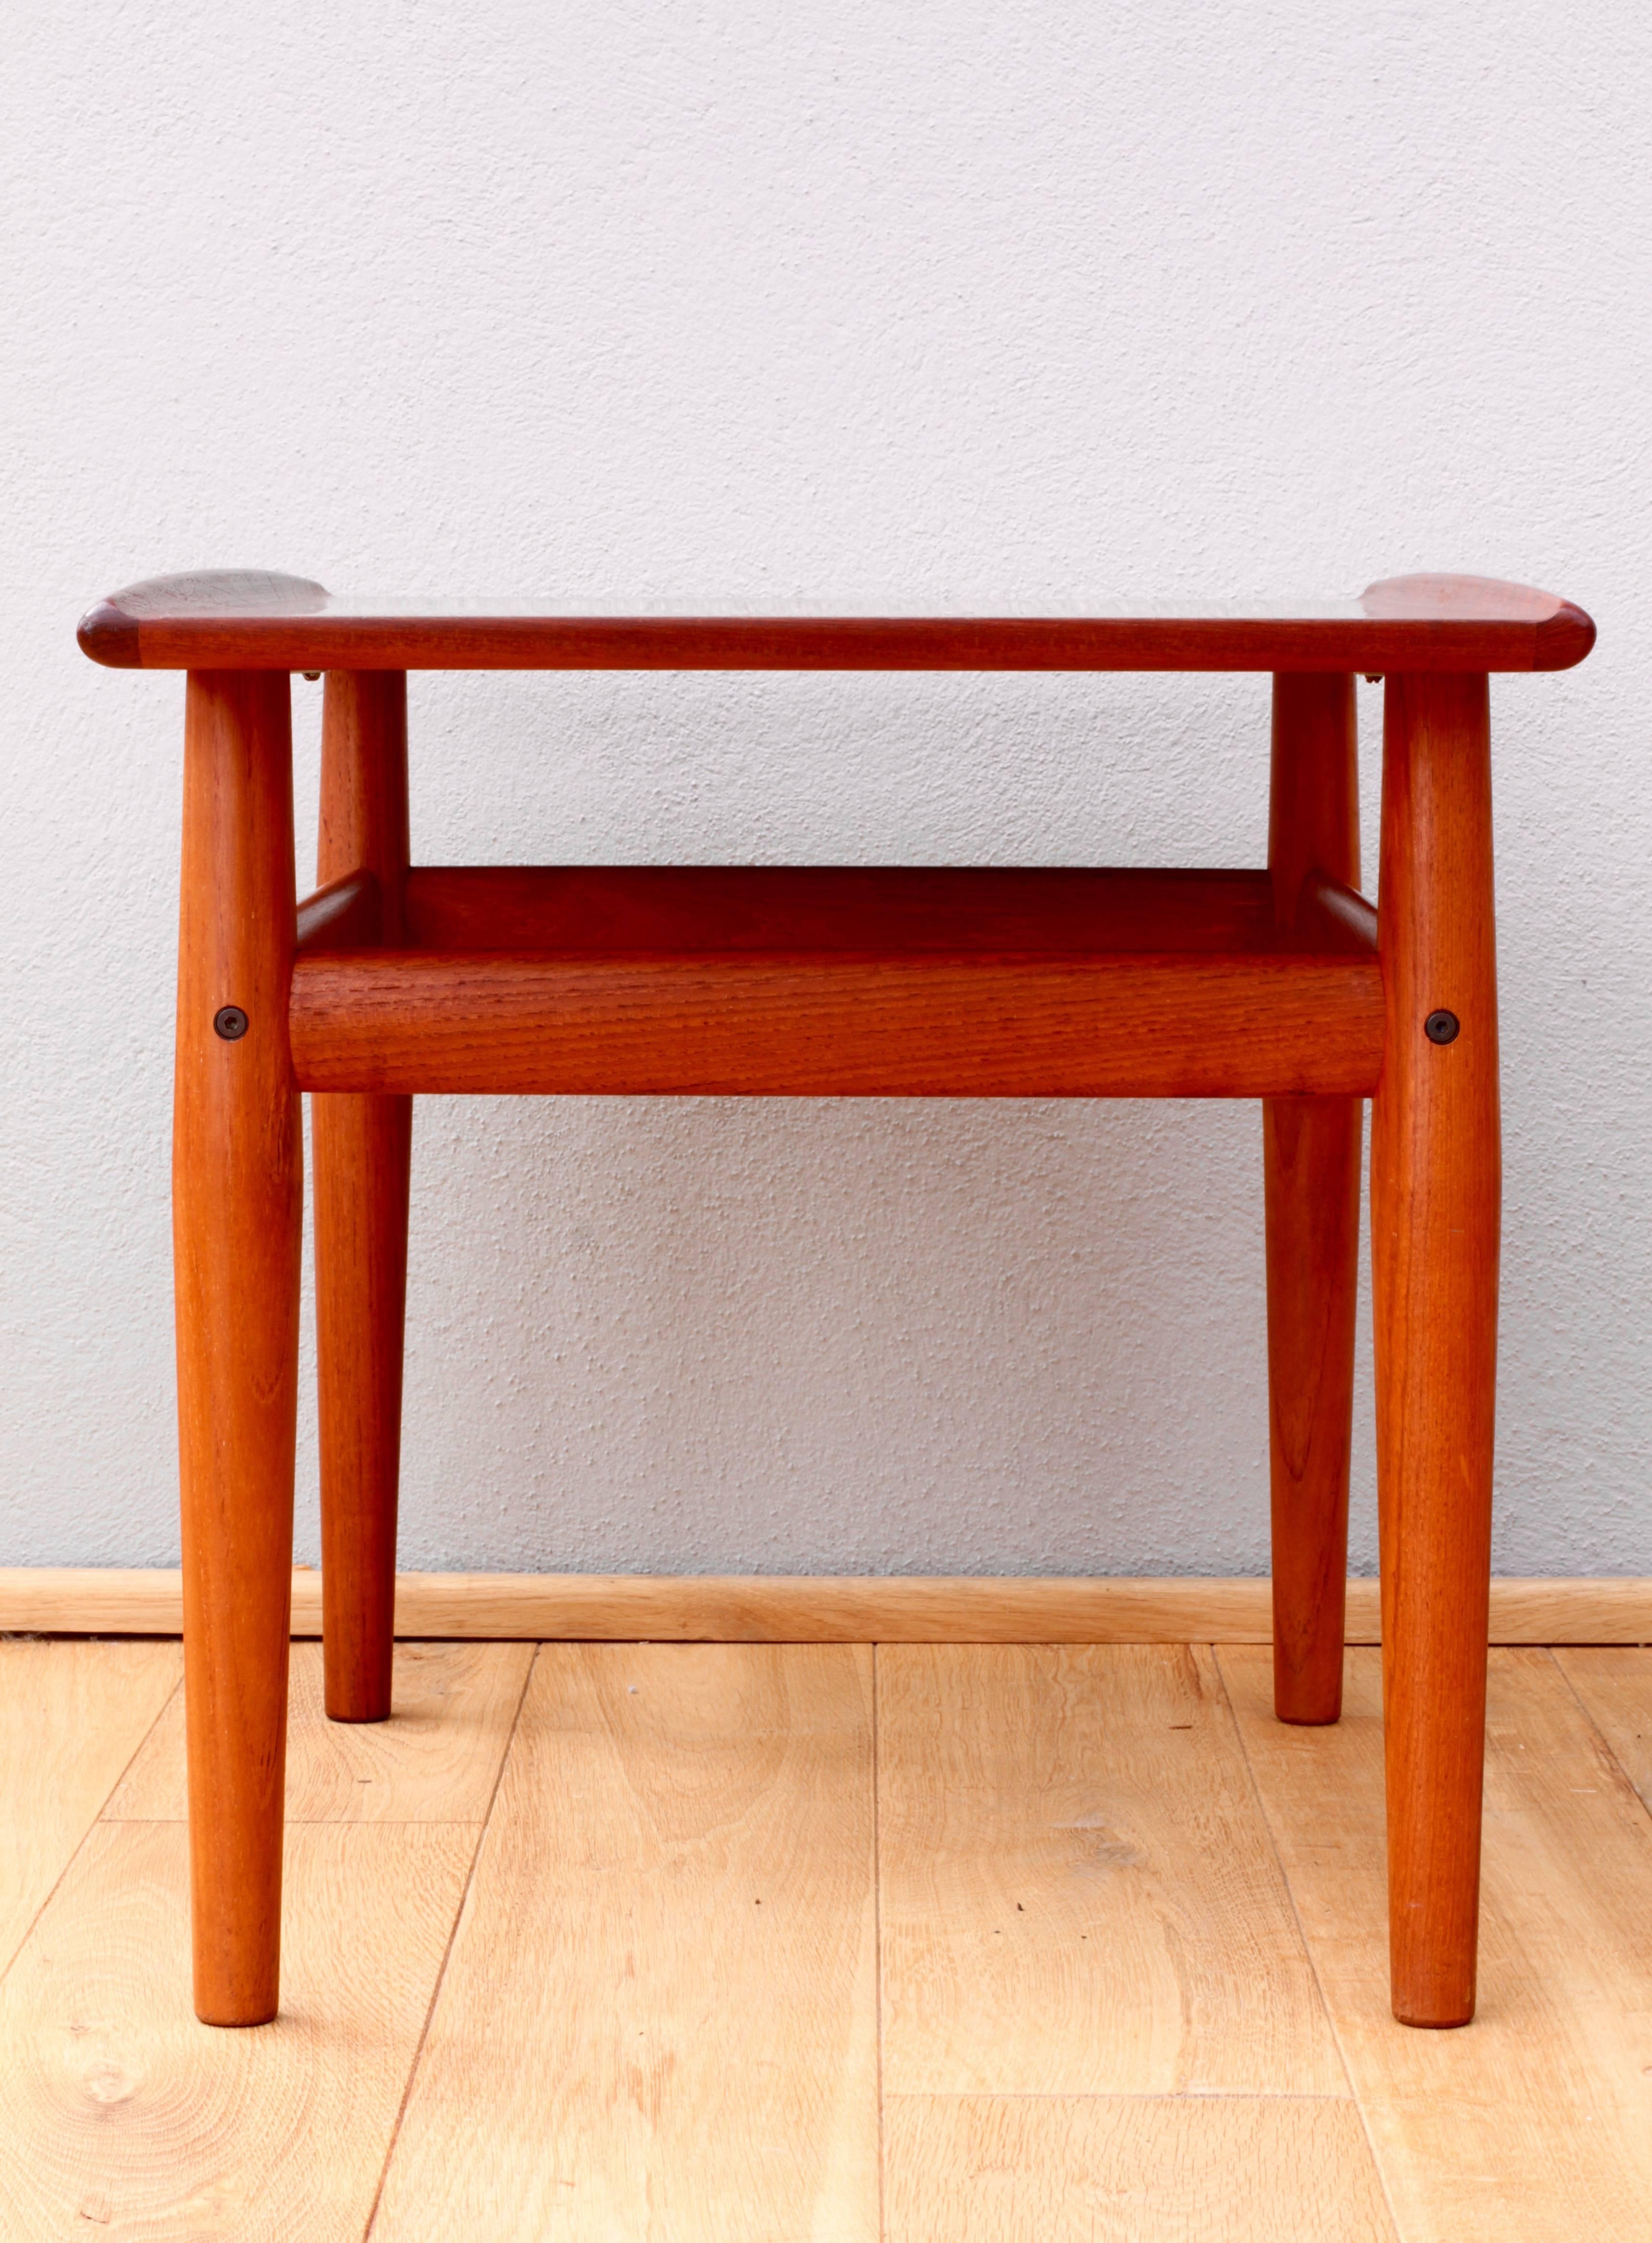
(939, 1944)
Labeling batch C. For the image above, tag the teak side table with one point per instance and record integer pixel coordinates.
(1282, 985)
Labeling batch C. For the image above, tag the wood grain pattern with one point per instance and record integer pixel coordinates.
(436, 1761)
(1076, 1894)
(812, 1608)
(245, 620)
(891, 909)
(237, 1193)
(821, 1608)
(1535, 2125)
(1172, 1026)
(1616, 1690)
(363, 1150)
(1129, 2169)
(1311, 1175)
(663, 1985)
(71, 1716)
(121, 2118)
(1436, 1189)
(118, 2115)
(1580, 1611)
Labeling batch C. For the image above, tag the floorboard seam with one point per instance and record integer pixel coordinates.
(1354, 2096)
(1595, 1730)
(92, 1822)
(316, 1822)
(876, 1925)
(1114, 2095)
(481, 1829)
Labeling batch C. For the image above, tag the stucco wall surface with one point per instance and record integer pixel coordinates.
(874, 306)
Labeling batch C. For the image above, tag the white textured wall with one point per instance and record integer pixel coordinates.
(986, 306)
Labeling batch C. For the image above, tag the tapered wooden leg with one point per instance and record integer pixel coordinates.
(361, 1147)
(237, 1192)
(1435, 1194)
(1310, 1170)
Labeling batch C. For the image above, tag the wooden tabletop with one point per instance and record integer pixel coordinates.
(240, 619)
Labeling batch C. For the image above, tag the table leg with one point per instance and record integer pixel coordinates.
(1435, 1190)
(1311, 1172)
(361, 1148)
(236, 1194)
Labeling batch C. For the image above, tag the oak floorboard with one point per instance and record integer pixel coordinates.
(1129, 2169)
(122, 2117)
(71, 1716)
(1615, 1688)
(1077, 1892)
(662, 1993)
(435, 1759)
(1533, 2125)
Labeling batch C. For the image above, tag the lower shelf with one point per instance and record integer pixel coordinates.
(834, 981)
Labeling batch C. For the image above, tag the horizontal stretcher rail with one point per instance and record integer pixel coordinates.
(1147, 1026)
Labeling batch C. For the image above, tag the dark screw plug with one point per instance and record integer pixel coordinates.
(1441, 1027)
(230, 1023)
